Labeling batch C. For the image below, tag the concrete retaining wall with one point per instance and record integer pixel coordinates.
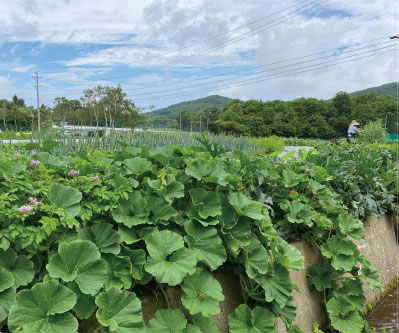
(379, 247)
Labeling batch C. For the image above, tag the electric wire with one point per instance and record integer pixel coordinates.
(260, 79)
(217, 46)
(261, 66)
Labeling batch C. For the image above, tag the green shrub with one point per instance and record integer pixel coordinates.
(272, 144)
(294, 141)
(373, 133)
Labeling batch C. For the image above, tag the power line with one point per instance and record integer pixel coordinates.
(253, 67)
(273, 76)
(220, 45)
(271, 69)
(264, 78)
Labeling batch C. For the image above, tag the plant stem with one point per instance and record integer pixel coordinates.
(164, 295)
(98, 329)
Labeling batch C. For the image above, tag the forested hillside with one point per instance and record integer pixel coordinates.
(386, 89)
(172, 111)
(303, 117)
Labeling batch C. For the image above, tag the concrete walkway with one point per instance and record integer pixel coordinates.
(295, 148)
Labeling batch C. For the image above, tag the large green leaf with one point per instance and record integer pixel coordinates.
(287, 255)
(162, 243)
(208, 203)
(202, 325)
(44, 309)
(277, 286)
(137, 259)
(51, 161)
(208, 171)
(173, 190)
(348, 222)
(160, 208)
(257, 320)
(167, 267)
(291, 178)
(256, 262)
(370, 274)
(297, 212)
(342, 251)
(103, 235)
(65, 197)
(344, 316)
(245, 206)
(120, 310)
(287, 314)
(20, 267)
(173, 270)
(79, 261)
(119, 271)
(202, 293)
(7, 299)
(137, 165)
(352, 290)
(85, 305)
(6, 279)
(167, 321)
(129, 235)
(319, 276)
(206, 244)
(133, 211)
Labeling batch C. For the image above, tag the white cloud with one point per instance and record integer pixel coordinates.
(6, 88)
(139, 33)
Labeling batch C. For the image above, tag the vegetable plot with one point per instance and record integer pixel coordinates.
(137, 219)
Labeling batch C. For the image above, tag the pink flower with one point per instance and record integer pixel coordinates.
(33, 162)
(73, 172)
(108, 174)
(94, 178)
(33, 200)
(25, 209)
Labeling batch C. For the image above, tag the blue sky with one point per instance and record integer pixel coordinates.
(145, 47)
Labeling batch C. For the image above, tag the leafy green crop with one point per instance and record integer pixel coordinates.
(128, 223)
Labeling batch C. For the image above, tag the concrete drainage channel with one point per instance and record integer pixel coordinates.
(385, 315)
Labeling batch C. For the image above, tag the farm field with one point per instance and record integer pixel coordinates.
(90, 230)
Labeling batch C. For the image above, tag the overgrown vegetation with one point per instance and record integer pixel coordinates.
(374, 132)
(304, 118)
(269, 145)
(91, 231)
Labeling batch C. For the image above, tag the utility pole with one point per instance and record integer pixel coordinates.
(191, 123)
(200, 125)
(207, 128)
(180, 120)
(38, 104)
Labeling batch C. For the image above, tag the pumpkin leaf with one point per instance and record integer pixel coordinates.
(79, 261)
(19, 266)
(246, 320)
(202, 293)
(167, 321)
(44, 309)
(67, 198)
(120, 310)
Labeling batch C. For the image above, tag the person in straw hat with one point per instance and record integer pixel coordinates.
(353, 130)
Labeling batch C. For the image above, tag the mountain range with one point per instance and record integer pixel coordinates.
(172, 111)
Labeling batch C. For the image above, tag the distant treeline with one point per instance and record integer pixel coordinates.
(100, 106)
(304, 117)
